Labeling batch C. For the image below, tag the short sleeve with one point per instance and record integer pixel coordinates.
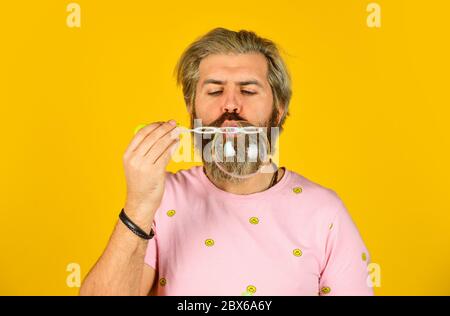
(346, 257)
(152, 250)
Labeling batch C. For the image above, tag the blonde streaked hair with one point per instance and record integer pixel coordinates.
(224, 41)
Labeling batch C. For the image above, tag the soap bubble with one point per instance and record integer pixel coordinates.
(242, 151)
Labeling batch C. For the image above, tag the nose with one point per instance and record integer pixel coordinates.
(232, 103)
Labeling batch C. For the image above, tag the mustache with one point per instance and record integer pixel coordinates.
(226, 116)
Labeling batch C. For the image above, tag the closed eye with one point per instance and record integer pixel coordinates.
(246, 92)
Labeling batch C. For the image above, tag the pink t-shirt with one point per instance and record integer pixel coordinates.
(296, 238)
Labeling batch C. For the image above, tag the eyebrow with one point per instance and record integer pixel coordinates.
(241, 83)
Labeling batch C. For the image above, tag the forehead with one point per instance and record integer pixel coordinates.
(234, 66)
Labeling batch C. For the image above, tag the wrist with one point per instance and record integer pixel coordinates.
(141, 215)
(136, 229)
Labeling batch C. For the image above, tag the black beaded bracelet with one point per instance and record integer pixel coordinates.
(135, 228)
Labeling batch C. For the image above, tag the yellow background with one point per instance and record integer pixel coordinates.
(369, 119)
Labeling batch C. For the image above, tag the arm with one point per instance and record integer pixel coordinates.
(121, 269)
(345, 271)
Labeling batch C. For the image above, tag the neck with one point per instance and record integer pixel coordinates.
(257, 183)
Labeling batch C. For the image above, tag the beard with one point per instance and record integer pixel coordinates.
(235, 169)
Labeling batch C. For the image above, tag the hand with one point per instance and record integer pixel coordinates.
(145, 162)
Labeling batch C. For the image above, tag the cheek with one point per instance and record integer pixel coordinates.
(207, 108)
(260, 108)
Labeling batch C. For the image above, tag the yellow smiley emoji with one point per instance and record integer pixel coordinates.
(254, 220)
(364, 256)
(162, 282)
(209, 242)
(251, 289)
(297, 252)
(297, 190)
(325, 290)
(171, 213)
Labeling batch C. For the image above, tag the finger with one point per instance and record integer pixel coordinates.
(140, 136)
(160, 146)
(153, 138)
(165, 156)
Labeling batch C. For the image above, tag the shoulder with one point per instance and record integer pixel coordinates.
(184, 176)
(317, 197)
(327, 212)
(182, 182)
(181, 188)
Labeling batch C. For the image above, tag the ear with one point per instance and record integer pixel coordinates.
(189, 107)
(191, 112)
(280, 114)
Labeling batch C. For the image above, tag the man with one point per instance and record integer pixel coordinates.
(217, 230)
